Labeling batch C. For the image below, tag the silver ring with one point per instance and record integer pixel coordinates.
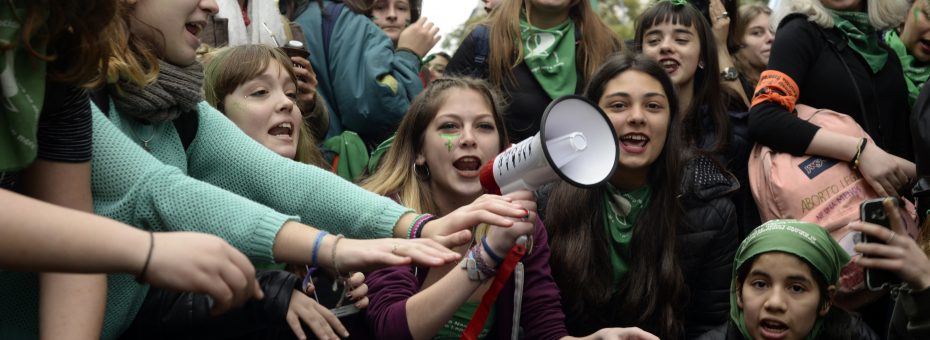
(394, 249)
(893, 235)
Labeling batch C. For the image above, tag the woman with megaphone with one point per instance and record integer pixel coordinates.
(451, 129)
(652, 247)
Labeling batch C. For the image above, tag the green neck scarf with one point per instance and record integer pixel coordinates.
(807, 241)
(550, 56)
(915, 72)
(862, 37)
(621, 210)
(22, 81)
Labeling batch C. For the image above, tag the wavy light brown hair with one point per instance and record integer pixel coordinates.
(598, 41)
(397, 175)
(77, 49)
(227, 68)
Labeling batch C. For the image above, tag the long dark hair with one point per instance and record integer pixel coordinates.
(707, 89)
(651, 294)
(598, 41)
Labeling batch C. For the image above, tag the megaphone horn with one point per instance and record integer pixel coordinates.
(576, 143)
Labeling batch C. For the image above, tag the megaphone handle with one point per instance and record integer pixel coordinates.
(503, 274)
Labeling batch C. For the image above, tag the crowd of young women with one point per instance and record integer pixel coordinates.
(122, 152)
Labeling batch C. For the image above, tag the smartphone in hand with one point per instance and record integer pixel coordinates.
(873, 211)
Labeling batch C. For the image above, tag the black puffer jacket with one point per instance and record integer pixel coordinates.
(707, 242)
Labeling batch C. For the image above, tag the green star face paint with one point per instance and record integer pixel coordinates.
(450, 139)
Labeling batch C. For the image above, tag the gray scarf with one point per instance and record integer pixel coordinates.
(177, 90)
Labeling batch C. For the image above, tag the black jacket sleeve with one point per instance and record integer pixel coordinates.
(797, 46)
(463, 61)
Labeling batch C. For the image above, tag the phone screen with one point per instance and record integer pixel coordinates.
(873, 211)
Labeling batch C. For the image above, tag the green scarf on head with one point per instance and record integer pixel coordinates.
(550, 56)
(621, 210)
(22, 81)
(806, 240)
(863, 38)
(915, 72)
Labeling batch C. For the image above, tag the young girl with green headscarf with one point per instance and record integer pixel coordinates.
(785, 277)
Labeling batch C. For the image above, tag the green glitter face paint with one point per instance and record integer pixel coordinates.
(450, 139)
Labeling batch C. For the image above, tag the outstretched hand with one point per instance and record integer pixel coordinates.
(202, 263)
(366, 255)
(323, 323)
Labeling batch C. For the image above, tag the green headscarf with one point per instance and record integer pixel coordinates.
(806, 240)
(22, 80)
(550, 56)
(863, 38)
(915, 72)
(621, 210)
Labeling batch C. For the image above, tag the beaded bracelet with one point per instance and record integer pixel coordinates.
(316, 247)
(148, 259)
(418, 228)
(416, 224)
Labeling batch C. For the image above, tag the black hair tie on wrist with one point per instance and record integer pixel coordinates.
(148, 258)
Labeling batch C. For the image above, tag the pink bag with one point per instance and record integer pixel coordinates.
(816, 189)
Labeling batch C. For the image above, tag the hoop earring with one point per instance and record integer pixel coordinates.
(422, 171)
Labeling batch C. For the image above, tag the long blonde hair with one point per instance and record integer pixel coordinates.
(598, 41)
(397, 174)
(882, 13)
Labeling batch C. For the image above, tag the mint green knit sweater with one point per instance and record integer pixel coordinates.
(253, 192)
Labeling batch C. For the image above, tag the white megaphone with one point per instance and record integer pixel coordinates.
(575, 142)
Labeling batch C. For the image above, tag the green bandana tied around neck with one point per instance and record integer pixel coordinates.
(915, 72)
(22, 81)
(621, 210)
(862, 37)
(806, 240)
(550, 56)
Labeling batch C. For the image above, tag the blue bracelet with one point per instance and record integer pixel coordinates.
(487, 248)
(316, 246)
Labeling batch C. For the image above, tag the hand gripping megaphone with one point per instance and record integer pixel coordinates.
(575, 142)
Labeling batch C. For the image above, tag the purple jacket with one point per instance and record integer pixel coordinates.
(541, 316)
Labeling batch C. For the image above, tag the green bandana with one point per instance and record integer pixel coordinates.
(352, 154)
(915, 72)
(22, 81)
(621, 210)
(550, 55)
(808, 241)
(862, 37)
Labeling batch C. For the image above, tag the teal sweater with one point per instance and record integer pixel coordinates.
(237, 189)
